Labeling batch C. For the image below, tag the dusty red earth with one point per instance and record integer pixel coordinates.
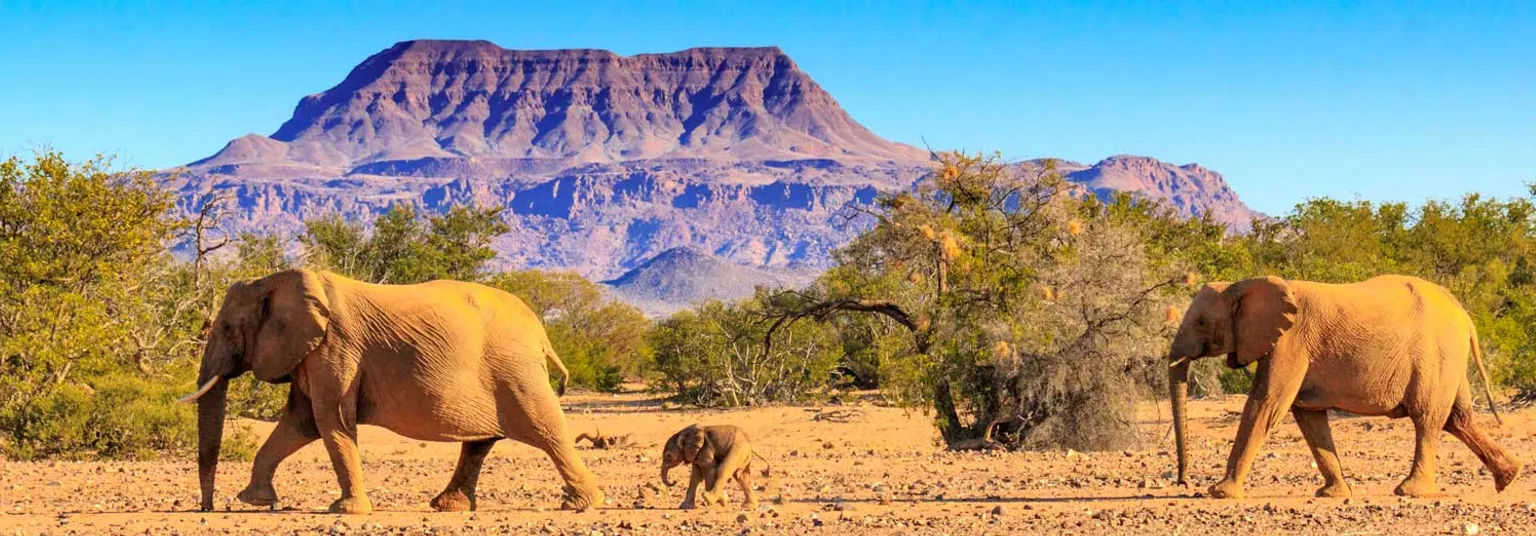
(880, 473)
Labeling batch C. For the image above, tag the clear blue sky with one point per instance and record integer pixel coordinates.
(1349, 99)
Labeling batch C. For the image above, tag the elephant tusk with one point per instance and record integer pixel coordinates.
(200, 391)
(1180, 361)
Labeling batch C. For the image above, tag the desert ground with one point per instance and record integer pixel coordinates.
(878, 470)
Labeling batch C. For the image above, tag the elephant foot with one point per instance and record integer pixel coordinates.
(355, 505)
(1506, 476)
(1336, 490)
(1226, 489)
(1420, 489)
(687, 505)
(749, 506)
(580, 499)
(258, 495)
(453, 501)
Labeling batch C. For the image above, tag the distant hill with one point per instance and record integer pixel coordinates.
(680, 277)
(1190, 188)
(604, 163)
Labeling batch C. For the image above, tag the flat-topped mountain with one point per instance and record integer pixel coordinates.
(602, 162)
(421, 100)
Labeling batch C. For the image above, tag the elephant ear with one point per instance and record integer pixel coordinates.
(294, 317)
(693, 443)
(1262, 309)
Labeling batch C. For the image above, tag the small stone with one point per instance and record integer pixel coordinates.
(1471, 529)
(997, 510)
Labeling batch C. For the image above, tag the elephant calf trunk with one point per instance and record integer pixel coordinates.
(664, 479)
(1178, 396)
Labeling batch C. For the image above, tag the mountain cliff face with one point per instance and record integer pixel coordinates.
(602, 162)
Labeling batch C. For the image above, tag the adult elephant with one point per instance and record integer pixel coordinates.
(438, 361)
(1392, 345)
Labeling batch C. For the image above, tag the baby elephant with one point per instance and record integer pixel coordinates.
(715, 454)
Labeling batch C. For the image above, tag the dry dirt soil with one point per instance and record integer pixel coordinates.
(878, 472)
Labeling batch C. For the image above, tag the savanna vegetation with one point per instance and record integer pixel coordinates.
(1015, 309)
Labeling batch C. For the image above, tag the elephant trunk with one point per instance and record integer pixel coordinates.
(1178, 396)
(210, 437)
(665, 467)
(211, 397)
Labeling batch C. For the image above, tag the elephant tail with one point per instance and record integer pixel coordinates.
(767, 465)
(1477, 356)
(554, 359)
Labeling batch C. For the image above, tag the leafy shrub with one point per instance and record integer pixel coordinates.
(715, 354)
(254, 399)
(122, 417)
(601, 341)
(240, 445)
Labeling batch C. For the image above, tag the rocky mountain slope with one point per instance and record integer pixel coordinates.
(603, 162)
(680, 277)
(1190, 188)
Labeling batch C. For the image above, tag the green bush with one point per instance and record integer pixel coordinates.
(715, 354)
(254, 399)
(240, 445)
(601, 341)
(121, 417)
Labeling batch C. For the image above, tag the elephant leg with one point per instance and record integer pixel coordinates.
(695, 476)
(338, 429)
(1274, 390)
(533, 416)
(1314, 428)
(459, 496)
(744, 479)
(295, 429)
(709, 475)
(1421, 477)
(714, 491)
(1504, 467)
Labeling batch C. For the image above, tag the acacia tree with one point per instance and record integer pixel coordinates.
(1036, 312)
